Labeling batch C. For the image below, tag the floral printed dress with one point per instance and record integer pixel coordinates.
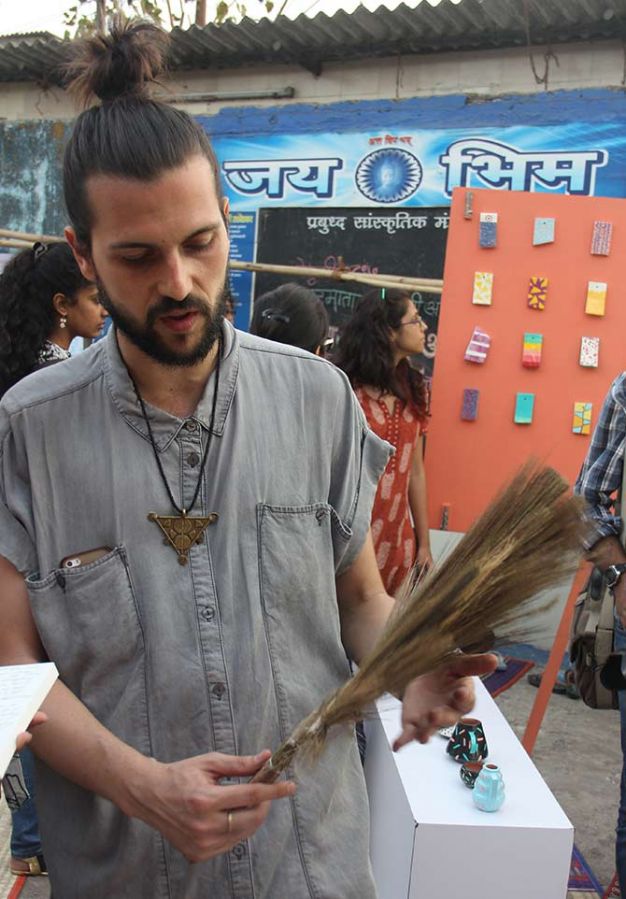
(392, 528)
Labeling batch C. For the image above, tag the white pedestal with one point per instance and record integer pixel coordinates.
(429, 841)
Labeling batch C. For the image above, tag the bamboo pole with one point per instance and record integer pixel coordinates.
(15, 244)
(23, 239)
(376, 280)
(27, 237)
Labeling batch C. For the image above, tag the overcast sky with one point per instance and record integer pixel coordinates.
(47, 15)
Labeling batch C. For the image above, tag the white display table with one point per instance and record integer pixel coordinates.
(429, 841)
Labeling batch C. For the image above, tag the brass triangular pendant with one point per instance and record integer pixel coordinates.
(182, 531)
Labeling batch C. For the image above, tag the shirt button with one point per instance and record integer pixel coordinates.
(193, 459)
(191, 425)
(218, 690)
(208, 613)
(239, 850)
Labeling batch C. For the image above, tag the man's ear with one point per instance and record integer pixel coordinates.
(226, 212)
(81, 254)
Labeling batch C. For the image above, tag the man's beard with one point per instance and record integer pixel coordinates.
(147, 339)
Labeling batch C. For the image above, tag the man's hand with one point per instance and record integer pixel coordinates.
(424, 559)
(25, 738)
(439, 699)
(186, 802)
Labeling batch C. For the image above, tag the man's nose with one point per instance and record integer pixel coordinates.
(175, 281)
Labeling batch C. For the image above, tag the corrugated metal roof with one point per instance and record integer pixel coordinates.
(470, 24)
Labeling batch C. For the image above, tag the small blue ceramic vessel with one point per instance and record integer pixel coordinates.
(488, 792)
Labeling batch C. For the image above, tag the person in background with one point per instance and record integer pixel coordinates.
(230, 306)
(374, 349)
(291, 314)
(44, 304)
(599, 483)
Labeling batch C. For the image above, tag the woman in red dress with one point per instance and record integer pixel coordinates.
(374, 351)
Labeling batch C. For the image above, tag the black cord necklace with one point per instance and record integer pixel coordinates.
(182, 531)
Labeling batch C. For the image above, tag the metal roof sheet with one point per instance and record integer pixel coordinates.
(466, 25)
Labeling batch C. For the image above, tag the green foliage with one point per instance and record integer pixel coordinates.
(81, 19)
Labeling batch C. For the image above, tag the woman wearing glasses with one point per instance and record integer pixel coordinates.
(374, 350)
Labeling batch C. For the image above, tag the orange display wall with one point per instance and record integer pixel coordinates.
(466, 461)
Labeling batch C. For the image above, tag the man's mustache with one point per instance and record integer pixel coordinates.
(166, 305)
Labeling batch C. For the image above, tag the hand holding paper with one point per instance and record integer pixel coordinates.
(22, 690)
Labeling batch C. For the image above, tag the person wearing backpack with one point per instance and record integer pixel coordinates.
(599, 483)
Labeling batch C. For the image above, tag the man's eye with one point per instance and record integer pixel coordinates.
(135, 259)
(199, 247)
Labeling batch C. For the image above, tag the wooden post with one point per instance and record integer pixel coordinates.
(551, 671)
(201, 13)
(101, 16)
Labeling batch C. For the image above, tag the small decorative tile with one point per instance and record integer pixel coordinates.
(468, 209)
(543, 231)
(589, 352)
(524, 408)
(483, 288)
(488, 233)
(469, 409)
(531, 350)
(537, 292)
(601, 238)
(581, 423)
(478, 347)
(596, 298)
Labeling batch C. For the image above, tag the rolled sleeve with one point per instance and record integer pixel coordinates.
(359, 459)
(15, 505)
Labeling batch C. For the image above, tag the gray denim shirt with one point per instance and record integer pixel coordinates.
(225, 654)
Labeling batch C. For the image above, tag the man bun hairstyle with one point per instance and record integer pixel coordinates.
(126, 132)
(125, 62)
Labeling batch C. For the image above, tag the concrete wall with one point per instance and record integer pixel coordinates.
(491, 73)
(30, 176)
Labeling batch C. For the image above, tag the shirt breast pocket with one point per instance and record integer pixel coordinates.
(297, 547)
(88, 621)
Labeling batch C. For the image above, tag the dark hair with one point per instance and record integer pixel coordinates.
(365, 354)
(291, 314)
(27, 315)
(128, 134)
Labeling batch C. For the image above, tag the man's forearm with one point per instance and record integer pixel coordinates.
(72, 742)
(75, 744)
(364, 606)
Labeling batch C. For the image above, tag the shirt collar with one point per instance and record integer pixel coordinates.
(166, 426)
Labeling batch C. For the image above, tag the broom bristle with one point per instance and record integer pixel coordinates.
(528, 539)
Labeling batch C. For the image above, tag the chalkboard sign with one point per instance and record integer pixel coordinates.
(396, 241)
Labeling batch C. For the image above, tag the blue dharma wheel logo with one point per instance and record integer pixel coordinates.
(388, 175)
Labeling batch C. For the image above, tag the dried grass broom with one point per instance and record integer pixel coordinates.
(528, 539)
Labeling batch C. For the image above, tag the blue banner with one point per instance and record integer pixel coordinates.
(420, 168)
(242, 234)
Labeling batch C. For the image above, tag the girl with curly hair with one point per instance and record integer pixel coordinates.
(374, 349)
(44, 304)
